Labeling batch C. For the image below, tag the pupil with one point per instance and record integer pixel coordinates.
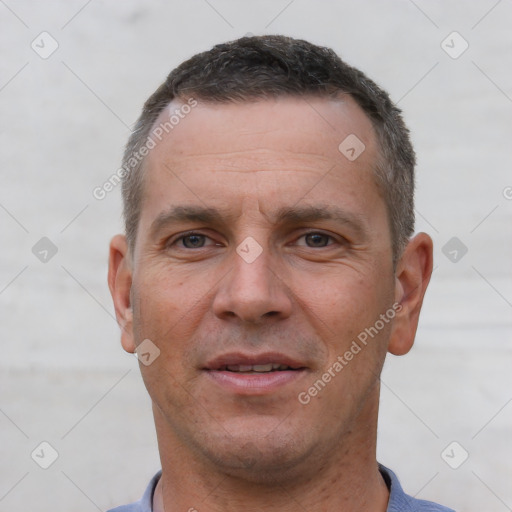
(317, 239)
(193, 241)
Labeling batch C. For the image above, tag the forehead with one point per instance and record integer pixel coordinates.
(289, 128)
(260, 157)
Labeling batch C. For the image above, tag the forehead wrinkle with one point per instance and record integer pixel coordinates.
(250, 162)
(279, 151)
(178, 167)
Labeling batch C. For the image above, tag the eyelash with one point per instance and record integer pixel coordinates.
(193, 233)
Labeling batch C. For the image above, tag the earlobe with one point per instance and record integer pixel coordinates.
(412, 277)
(120, 284)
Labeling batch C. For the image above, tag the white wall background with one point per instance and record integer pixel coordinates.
(64, 378)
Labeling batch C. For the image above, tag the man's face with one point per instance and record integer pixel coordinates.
(259, 244)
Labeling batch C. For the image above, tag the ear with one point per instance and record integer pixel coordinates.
(120, 284)
(411, 280)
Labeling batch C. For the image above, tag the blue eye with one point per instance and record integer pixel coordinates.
(193, 241)
(197, 240)
(316, 239)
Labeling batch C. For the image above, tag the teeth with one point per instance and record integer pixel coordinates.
(259, 368)
(262, 367)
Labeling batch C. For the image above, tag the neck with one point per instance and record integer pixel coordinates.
(348, 480)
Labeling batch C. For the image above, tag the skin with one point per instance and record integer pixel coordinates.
(307, 296)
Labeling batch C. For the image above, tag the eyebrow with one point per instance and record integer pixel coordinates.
(304, 214)
(286, 215)
(178, 214)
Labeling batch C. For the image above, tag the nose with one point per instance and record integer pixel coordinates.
(253, 291)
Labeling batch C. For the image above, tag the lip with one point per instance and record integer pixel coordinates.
(253, 383)
(252, 359)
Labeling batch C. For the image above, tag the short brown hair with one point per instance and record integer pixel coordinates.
(271, 66)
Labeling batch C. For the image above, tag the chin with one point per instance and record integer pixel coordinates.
(274, 458)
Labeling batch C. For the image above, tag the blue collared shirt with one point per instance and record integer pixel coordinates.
(398, 500)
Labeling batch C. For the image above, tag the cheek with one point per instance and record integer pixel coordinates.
(161, 308)
(343, 303)
(163, 315)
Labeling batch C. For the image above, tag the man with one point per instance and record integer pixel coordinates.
(266, 270)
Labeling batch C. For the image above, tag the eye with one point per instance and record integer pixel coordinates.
(315, 239)
(192, 241)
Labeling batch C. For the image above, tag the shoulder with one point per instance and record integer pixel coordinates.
(401, 502)
(145, 504)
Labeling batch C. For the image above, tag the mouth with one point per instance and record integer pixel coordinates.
(254, 375)
(256, 368)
